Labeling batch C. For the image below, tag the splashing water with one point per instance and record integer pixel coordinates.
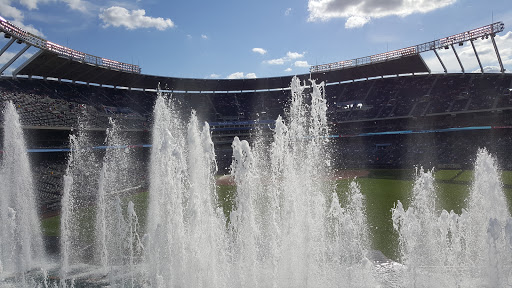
(442, 248)
(93, 190)
(21, 245)
(114, 179)
(80, 187)
(287, 227)
(185, 228)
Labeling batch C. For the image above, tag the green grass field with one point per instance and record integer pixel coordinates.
(382, 189)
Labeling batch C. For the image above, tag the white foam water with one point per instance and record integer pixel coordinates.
(106, 246)
(110, 218)
(287, 228)
(186, 244)
(441, 248)
(21, 245)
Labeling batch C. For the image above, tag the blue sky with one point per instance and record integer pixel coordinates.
(245, 39)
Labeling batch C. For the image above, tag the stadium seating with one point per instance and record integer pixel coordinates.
(405, 103)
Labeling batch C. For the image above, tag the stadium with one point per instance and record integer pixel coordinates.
(387, 114)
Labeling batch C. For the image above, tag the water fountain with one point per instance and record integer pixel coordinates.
(21, 245)
(99, 234)
(442, 248)
(288, 226)
(275, 236)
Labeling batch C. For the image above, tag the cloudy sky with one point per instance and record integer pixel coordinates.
(265, 38)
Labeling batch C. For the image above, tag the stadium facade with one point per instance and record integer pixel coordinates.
(385, 111)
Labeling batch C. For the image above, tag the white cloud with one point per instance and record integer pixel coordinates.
(278, 61)
(30, 4)
(356, 22)
(259, 50)
(301, 64)
(16, 17)
(236, 75)
(240, 75)
(294, 55)
(488, 69)
(214, 76)
(288, 69)
(288, 11)
(289, 57)
(79, 5)
(118, 16)
(360, 12)
(28, 28)
(485, 51)
(203, 36)
(9, 11)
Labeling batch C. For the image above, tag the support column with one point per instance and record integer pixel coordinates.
(7, 45)
(476, 54)
(458, 59)
(14, 58)
(440, 61)
(497, 53)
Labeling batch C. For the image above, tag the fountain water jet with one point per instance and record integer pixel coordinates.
(80, 187)
(287, 228)
(443, 248)
(99, 247)
(185, 227)
(113, 180)
(21, 245)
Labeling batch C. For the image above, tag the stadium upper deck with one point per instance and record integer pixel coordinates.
(59, 62)
(55, 103)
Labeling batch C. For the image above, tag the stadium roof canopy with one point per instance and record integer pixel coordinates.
(47, 64)
(56, 61)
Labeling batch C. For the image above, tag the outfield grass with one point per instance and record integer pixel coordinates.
(506, 177)
(87, 216)
(465, 176)
(381, 195)
(446, 174)
(382, 189)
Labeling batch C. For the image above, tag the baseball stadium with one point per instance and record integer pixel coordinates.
(369, 172)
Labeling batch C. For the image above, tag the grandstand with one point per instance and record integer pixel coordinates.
(385, 111)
